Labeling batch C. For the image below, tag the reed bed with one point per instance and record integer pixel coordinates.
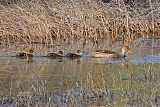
(68, 24)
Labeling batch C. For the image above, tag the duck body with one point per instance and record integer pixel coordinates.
(25, 55)
(106, 54)
(111, 54)
(75, 55)
(56, 55)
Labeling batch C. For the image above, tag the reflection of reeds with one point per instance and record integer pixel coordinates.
(55, 23)
(84, 83)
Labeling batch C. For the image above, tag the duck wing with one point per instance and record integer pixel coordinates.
(53, 55)
(24, 55)
(106, 51)
(72, 55)
(20, 54)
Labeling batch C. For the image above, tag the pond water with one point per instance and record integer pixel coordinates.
(86, 81)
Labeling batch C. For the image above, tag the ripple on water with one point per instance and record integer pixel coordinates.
(147, 59)
(134, 60)
(109, 62)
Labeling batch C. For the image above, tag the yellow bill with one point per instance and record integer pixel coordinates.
(129, 51)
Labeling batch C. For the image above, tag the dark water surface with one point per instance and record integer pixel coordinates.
(133, 82)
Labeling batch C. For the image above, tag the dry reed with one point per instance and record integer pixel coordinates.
(64, 23)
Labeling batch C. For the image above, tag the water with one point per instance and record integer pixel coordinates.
(82, 82)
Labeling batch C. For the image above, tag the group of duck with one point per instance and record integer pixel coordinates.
(97, 54)
(60, 54)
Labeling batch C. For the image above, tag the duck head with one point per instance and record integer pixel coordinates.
(31, 51)
(60, 52)
(79, 52)
(126, 50)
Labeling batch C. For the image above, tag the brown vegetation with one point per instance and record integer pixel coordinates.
(53, 22)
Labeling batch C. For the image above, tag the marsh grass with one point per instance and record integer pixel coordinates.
(69, 25)
(91, 84)
(64, 24)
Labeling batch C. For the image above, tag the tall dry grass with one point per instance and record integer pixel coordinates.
(56, 23)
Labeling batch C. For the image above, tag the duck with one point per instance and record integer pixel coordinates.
(56, 55)
(25, 55)
(75, 55)
(111, 54)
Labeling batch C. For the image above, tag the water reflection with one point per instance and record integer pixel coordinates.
(147, 59)
(86, 81)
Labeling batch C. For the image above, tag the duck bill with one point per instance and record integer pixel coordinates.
(129, 51)
(33, 53)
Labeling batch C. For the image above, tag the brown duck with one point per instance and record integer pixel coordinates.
(25, 55)
(56, 55)
(75, 55)
(111, 54)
